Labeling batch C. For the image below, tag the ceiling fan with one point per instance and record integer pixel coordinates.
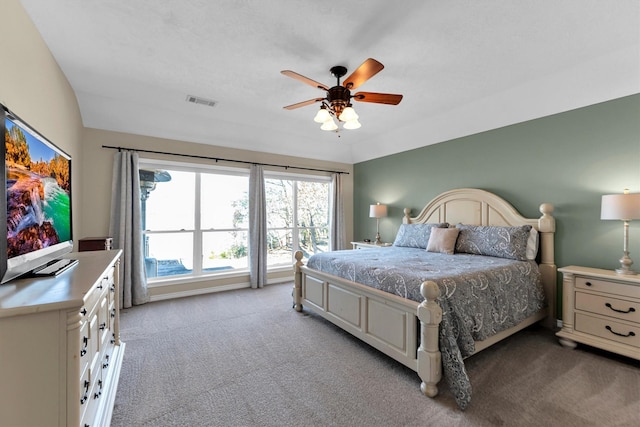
(337, 102)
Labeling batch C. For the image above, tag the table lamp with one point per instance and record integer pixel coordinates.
(378, 211)
(624, 207)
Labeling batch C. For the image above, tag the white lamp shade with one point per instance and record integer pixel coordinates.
(329, 125)
(620, 206)
(322, 116)
(377, 211)
(348, 114)
(352, 124)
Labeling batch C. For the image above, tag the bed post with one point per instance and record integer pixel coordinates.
(297, 282)
(429, 357)
(548, 269)
(406, 219)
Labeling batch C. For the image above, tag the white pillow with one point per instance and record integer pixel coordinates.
(532, 244)
(443, 240)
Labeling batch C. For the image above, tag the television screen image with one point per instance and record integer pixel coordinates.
(38, 199)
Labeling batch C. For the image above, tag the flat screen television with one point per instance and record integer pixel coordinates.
(37, 199)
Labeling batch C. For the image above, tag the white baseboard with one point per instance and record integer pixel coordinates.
(208, 290)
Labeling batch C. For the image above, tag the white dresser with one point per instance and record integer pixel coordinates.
(602, 309)
(60, 349)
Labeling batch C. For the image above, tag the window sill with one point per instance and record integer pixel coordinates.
(242, 274)
(174, 280)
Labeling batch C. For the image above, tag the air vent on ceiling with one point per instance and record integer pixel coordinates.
(201, 101)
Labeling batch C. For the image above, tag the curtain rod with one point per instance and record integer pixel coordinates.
(217, 159)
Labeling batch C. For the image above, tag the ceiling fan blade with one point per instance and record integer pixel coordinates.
(304, 79)
(364, 72)
(378, 98)
(303, 104)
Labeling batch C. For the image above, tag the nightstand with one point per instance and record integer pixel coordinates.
(366, 245)
(602, 309)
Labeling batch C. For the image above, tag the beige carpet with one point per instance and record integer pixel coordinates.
(245, 358)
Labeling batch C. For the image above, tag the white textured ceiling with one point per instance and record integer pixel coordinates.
(463, 66)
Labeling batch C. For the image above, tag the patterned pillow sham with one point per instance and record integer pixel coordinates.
(416, 235)
(501, 242)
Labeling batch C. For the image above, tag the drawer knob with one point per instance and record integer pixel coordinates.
(630, 310)
(588, 283)
(630, 334)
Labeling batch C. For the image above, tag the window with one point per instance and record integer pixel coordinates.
(195, 219)
(297, 217)
(196, 222)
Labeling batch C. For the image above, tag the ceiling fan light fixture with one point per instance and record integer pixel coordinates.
(329, 125)
(348, 114)
(337, 102)
(322, 116)
(352, 124)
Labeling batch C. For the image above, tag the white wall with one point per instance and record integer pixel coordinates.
(33, 87)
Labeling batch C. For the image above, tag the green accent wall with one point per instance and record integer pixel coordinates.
(569, 160)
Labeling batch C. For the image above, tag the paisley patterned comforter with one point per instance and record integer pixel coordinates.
(480, 295)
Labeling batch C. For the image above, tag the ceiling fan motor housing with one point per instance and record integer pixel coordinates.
(339, 98)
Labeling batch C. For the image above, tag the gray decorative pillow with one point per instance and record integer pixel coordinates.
(416, 235)
(501, 242)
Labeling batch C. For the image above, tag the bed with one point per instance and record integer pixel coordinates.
(405, 321)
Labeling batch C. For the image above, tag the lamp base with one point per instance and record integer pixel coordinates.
(378, 241)
(625, 262)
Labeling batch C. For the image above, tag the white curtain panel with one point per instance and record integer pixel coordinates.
(337, 230)
(257, 228)
(126, 228)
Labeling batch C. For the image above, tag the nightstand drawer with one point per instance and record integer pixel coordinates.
(608, 329)
(620, 289)
(612, 307)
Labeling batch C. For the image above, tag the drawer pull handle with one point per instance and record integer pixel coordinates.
(99, 393)
(102, 326)
(630, 334)
(83, 311)
(588, 283)
(85, 343)
(86, 391)
(630, 310)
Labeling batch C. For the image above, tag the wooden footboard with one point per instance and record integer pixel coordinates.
(402, 329)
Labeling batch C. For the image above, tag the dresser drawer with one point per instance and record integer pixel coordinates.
(608, 329)
(611, 287)
(608, 306)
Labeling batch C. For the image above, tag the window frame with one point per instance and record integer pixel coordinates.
(197, 273)
(295, 229)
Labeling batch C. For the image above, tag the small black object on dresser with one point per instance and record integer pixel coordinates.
(94, 244)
